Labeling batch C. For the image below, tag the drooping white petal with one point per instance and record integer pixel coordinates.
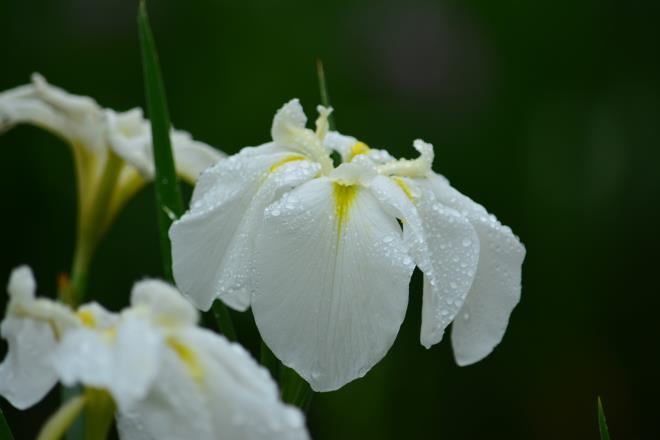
(122, 360)
(165, 304)
(31, 329)
(192, 157)
(483, 319)
(212, 244)
(333, 279)
(242, 398)
(453, 248)
(76, 119)
(129, 135)
(175, 407)
(26, 375)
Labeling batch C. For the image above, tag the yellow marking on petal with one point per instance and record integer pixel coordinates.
(279, 164)
(284, 161)
(110, 334)
(404, 186)
(87, 318)
(357, 149)
(344, 197)
(188, 357)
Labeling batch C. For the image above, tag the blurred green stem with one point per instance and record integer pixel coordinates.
(323, 89)
(63, 418)
(93, 220)
(295, 390)
(223, 320)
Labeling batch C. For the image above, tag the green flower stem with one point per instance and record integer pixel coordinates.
(59, 422)
(99, 414)
(99, 411)
(295, 390)
(93, 221)
(323, 89)
(223, 320)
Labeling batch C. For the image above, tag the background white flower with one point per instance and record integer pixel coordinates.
(169, 378)
(109, 148)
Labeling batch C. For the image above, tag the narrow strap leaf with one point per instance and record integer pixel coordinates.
(168, 194)
(5, 432)
(602, 423)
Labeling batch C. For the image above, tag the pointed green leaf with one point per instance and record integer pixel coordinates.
(168, 194)
(602, 423)
(5, 432)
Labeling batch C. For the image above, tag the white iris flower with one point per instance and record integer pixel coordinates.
(112, 151)
(168, 378)
(324, 255)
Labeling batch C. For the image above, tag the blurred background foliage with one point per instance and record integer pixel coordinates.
(547, 112)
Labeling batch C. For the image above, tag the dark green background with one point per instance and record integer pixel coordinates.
(547, 112)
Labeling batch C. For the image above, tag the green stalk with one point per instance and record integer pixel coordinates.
(223, 320)
(295, 390)
(99, 414)
(59, 422)
(93, 222)
(323, 89)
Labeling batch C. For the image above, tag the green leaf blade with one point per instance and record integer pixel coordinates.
(168, 194)
(602, 422)
(5, 431)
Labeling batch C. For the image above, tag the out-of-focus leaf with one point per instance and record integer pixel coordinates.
(5, 432)
(602, 423)
(295, 390)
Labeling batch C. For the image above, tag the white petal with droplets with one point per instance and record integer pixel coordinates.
(332, 293)
(212, 244)
(484, 317)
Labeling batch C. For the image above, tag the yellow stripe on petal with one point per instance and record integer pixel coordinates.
(280, 163)
(404, 186)
(87, 318)
(188, 357)
(284, 161)
(357, 149)
(344, 197)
